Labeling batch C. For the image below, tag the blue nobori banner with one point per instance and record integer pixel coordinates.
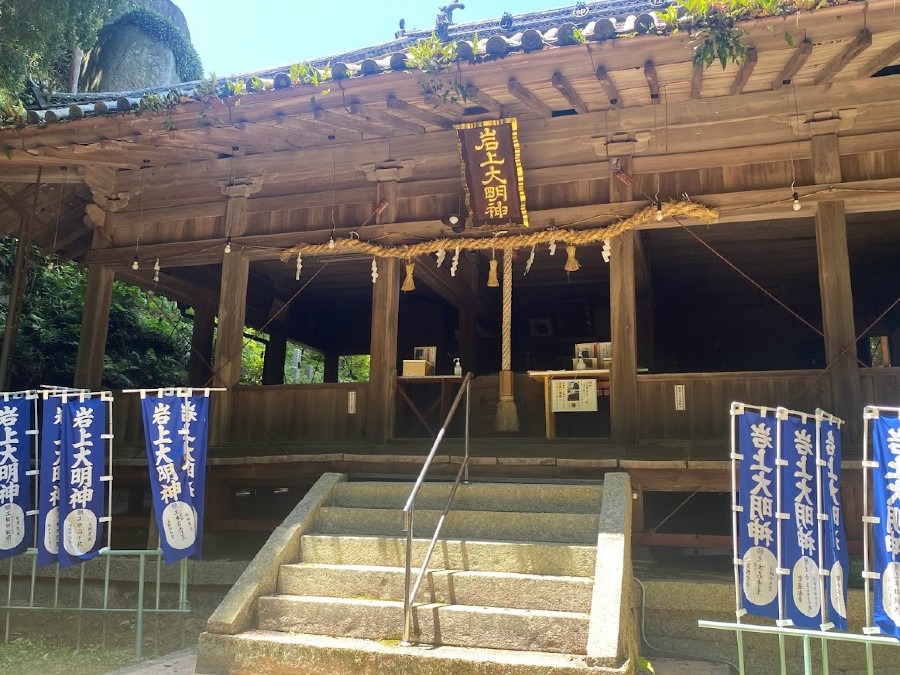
(886, 529)
(835, 559)
(756, 499)
(82, 461)
(49, 481)
(175, 430)
(799, 527)
(16, 420)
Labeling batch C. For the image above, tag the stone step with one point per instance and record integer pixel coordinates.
(488, 589)
(517, 497)
(279, 653)
(579, 528)
(458, 625)
(546, 558)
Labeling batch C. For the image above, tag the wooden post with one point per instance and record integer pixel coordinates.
(274, 358)
(330, 373)
(200, 363)
(94, 327)
(623, 309)
(826, 159)
(837, 318)
(230, 338)
(383, 351)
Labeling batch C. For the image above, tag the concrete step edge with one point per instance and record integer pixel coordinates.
(469, 573)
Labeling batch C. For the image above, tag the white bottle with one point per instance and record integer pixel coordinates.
(457, 368)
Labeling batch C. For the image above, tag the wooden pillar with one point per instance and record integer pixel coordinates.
(94, 327)
(837, 318)
(229, 338)
(383, 351)
(623, 310)
(332, 358)
(274, 358)
(200, 364)
(826, 159)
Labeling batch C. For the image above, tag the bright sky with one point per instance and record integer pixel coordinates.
(237, 36)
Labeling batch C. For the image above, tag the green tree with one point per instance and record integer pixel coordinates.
(148, 342)
(37, 35)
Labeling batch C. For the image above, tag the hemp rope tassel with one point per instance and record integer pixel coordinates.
(507, 418)
(492, 274)
(572, 264)
(408, 283)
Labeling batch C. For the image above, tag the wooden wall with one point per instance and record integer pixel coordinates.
(708, 398)
(298, 413)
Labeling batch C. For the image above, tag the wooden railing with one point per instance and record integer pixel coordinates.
(707, 397)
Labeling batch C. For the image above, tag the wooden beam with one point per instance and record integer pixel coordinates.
(837, 316)
(652, 81)
(611, 92)
(697, 82)
(381, 117)
(482, 99)
(826, 159)
(565, 88)
(94, 327)
(528, 98)
(275, 356)
(383, 351)
(303, 124)
(860, 43)
(883, 58)
(337, 120)
(794, 64)
(744, 72)
(623, 310)
(202, 335)
(426, 116)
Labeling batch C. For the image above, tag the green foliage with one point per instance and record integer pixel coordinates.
(36, 37)
(187, 61)
(435, 60)
(713, 29)
(644, 665)
(148, 343)
(578, 35)
(304, 73)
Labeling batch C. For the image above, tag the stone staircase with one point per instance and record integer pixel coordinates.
(510, 587)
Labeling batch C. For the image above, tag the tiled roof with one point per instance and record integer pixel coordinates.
(519, 33)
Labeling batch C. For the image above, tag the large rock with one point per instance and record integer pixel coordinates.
(126, 58)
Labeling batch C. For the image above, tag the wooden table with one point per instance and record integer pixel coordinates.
(599, 374)
(441, 403)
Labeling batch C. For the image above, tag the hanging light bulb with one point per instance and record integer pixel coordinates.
(156, 270)
(135, 265)
(659, 211)
(51, 265)
(228, 244)
(796, 197)
(330, 242)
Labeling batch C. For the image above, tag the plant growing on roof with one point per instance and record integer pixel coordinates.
(305, 73)
(435, 61)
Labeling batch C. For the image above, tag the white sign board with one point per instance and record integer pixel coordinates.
(573, 395)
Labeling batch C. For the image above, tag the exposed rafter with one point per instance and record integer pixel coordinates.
(794, 64)
(426, 116)
(528, 98)
(884, 58)
(860, 43)
(484, 100)
(562, 85)
(697, 82)
(652, 81)
(302, 124)
(346, 122)
(745, 71)
(380, 117)
(611, 92)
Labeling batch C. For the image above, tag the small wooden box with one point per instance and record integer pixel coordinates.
(417, 368)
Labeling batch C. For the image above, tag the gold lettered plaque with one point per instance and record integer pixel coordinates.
(492, 172)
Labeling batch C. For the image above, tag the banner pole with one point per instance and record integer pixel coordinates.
(820, 519)
(780, 413)
(868, 413)
(8, 599)
(736, 409)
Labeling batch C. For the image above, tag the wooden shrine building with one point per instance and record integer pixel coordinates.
(787, 294)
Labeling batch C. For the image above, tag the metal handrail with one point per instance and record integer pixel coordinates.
(409, 509)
